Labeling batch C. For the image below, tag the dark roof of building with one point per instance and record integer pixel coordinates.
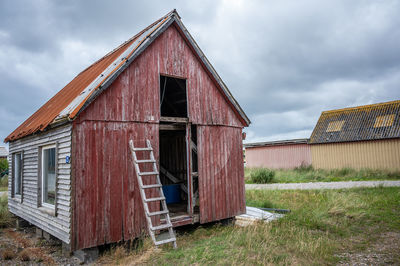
(276, 143)
(86, 86)
(368, 122)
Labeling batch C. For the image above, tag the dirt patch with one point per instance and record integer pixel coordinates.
(385, 251)
(24, 248)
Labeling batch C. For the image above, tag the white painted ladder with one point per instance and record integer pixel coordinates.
(168, 225)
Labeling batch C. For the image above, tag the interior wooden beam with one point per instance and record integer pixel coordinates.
(173, 178)
(172, 127)
(174, 119)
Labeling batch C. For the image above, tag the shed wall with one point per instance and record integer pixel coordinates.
(58, 226)
(279, 156)
(107, 203)
(221, 172)
(377, 154)
(108, 207)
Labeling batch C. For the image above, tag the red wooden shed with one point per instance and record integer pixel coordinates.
(71, 167)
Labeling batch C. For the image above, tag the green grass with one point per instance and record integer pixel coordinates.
(322, 223)
(5, 215)
(4, 183)
(308, 174)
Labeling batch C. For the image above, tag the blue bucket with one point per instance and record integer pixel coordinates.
(172, 193)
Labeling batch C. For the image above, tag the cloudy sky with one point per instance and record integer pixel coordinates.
(284, 61)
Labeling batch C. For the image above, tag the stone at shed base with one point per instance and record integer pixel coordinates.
(87, 255)
(47, 236)
(66, 249)
(39, 232)
(21, 223)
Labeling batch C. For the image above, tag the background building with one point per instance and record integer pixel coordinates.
(283, 154)
(358, 137)
(3, 153)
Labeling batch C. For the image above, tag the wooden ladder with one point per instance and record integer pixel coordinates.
(168, 225)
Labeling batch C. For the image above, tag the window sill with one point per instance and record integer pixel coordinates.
(47, 210)
(17, 198)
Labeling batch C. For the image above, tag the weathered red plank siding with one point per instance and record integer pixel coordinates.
(221, 173)
(280, 156)
(107, 205)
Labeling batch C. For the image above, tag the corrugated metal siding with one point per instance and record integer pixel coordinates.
(107, 203)
(221, 172)
(280, 156)
(359, 124)
(378, 154)
(58, 226)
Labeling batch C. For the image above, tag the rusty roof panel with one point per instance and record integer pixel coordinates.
(368, 122)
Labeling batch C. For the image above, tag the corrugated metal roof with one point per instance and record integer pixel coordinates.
(3, 152)
(83, 89)
(276, 143)
(368, 122)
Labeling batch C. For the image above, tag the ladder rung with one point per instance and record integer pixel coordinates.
(142, 149)
(160, 227)
(158, 213)
(145, 161)
(165, 241)
(151, 186)
(154, 199)
(148, 173)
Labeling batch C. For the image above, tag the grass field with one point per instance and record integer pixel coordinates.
(5, 216)
(4, 183)
(308, 174)
(322, 226)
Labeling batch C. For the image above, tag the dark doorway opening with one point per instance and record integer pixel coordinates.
(173, 100)
(173, 170)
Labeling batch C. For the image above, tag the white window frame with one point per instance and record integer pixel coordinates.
(43, 203)
(14, 194)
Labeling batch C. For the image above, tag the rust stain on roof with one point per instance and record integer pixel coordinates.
(367, 122)
(52, 108)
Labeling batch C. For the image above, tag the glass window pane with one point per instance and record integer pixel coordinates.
(17, 173)
(49, 175)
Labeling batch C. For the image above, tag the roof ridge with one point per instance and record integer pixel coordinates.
(361, 107)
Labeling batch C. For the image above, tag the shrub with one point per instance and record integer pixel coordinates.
(262, 176)
(3, 165)
(8, 254)
(5, 215)
(4, 181)
(24, 255)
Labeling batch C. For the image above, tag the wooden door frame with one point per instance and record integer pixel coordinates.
(190, 206)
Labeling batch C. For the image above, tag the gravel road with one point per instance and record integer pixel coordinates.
(325, 185)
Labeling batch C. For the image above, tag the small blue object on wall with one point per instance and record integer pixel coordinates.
(67, 159)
